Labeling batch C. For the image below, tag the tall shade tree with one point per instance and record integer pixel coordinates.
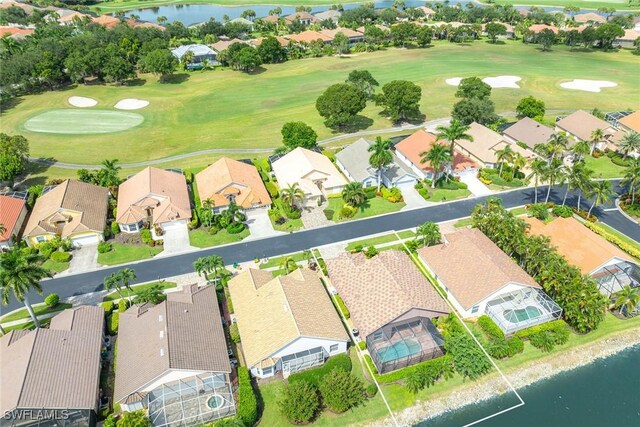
(473, 87)
(629, 144)
(538, 172)
(340, 104)
(400, 99)
(456, 130)
(363, 80)
(626, 300)
(530, 107)
(292, 195)
(21, 272)
(596, 137)
(602, 192)
(354, 194)
(632, 179)
(438, 157)
(505, 155)
(380, 156)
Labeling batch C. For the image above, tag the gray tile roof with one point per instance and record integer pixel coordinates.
(57, 367)
(184, 332)
(355, 158)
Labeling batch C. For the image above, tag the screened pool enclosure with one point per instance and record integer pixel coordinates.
(521, 309)
(405, 343)
(613, 278)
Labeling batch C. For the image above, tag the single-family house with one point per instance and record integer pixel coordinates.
(630, 123)
(72, 18)
(16, 33)
(333, 15)
(428, 12)
(580, 125)
(352, 36)
(201, 54)
(309, 36)
(612, 268)
(529, 132)
(353, 161)
(271, 19)
(392, 305)
(381, 27)
(106, 21)
(13, 211)
(230, 181)
(72, 210)
(410, 151)
(313, 172)
(287, 323)
(6, 4)
(52, 376)
(243, 21)
(304, 17)
(479, 278)
(223, 44)
(283, 42)
(173, 360)
(153, 197)
(590, 18)
(628, 39)
(509, 34)
(486, 144)
(143, 24)
(538, 28)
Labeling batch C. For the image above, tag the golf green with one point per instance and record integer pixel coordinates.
(76, 122)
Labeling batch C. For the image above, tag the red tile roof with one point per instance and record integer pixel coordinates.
(422, 141)
(10, 209)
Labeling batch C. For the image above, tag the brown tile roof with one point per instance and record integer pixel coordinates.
(183, 332)
(308, 37)
(537, 28)
(273, 312)
(422, 141)
(529, 131)
(629, 35)
(221, 45)
(57, 367)
(579, 245)
(72, 16)
(271, 18)
(106, 21)
(89, 200)
(142, 24)
(10, 210)
(302, 16)
(379, 290)
(228, 176)
(632, 121)
(283, 42)
(582, 124)
(472, 267)
(145, 188)
(486, 143)
(589, 17)
(346, 31)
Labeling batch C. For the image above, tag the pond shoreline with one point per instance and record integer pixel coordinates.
(519, 377)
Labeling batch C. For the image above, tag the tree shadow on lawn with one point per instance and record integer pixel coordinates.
(135, 82)
(358, 123)
(9, 104)
(176, 78)
(497, 42)
(36, 168)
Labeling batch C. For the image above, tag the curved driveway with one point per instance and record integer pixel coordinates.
(156, 268)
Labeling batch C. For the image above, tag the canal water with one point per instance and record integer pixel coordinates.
(605, 393)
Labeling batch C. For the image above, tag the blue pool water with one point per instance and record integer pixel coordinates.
(522, 314)
(399, 350)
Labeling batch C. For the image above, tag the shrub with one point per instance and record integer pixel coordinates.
(247, 402)
(549, 326)
(424, 193)
(562, 211)
(371, 252)
(123, 304)
(371, 390)
(52, 300)
(584, 215)
(112, 323)
(419, 185)
(235, 228)
(299, 402)
(104, 247)
(234, 333)
(145, 236)
(213, 230)
(542, 340)
(109, 421)
(357, 249)
(134, 419)
(263, 176)
(229, 304)
(115, 228)
(272, 189)
(46, 249)
(342, 307)
(515, 346)
(195, 220)
(292, 213)
(614, 239)
(539, 210)
(60, 256)
(314, 376)
(362, 345)
(468, 358)
(341, 391)
(393, 195)
(347, 211)
(596, 154)
(108, 306)
(489, 327)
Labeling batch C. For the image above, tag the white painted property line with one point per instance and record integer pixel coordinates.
(481, 348)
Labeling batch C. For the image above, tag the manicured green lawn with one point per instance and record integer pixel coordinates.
(136, 289)
(275, 262)
(604, 167)
(184, 117)
(443, 195)
(387, 238)
(372, 207)
(615, 232)
(468, 221)
(586, 4)
(55, 266)
(39, 310)
(200, 238)
(121, 254)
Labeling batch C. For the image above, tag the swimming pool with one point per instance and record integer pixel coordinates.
(399, 350)
(521, 314)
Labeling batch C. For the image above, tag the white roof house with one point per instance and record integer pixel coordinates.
(200, 52)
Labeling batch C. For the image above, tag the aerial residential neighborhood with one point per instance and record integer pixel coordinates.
(397, 213)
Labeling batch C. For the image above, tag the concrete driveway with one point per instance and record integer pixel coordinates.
(475, 186)
(260, 225)
(412, 198)
(85, 258)
(176, 240)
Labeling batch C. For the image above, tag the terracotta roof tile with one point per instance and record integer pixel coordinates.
(632, 121)
(10, 210)
(422, 141)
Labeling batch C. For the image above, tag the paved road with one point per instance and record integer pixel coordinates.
(154, 269)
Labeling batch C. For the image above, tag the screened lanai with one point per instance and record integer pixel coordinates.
(521, 309)
(613, 278)
(191, 401)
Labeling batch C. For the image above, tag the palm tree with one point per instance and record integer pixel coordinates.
(292, 194)
(112, 282)
(207, 265)
(233, 214)
(152, 295)
(627, 300)
(519, 162)
(580, 149)
(381, 156)
(554, 175)
(288, 264)
(557, 144)
(354, 194)
(456, 130)
(430, 233)
(125, 276)
(584, 184)
(574, 178)
(596, 136)
(602, 192)
(21, 272)
(505, 155)
(538, 172)
(632, 178)
(308, 255)
(629, 143)
(109, 173)
(437, 157)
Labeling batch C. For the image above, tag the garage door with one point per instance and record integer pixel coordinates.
(93, 239)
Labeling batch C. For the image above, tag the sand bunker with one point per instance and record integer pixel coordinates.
(453, 81)
(510, 82)
(131, 104)
(587, 85)
(82, 102)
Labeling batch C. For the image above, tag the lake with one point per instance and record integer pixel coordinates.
(604, 393)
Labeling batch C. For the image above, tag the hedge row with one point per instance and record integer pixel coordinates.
(112, 323)
(549, 326)
(615, 240)
(403, 373)
(247, 402)
(315, 376)
(499, 346)
(489, 327)
(342, 307)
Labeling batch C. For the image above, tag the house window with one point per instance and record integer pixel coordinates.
(267, 371)
(475, 309)
(377, 336)
(41, 239)
(333, 348)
